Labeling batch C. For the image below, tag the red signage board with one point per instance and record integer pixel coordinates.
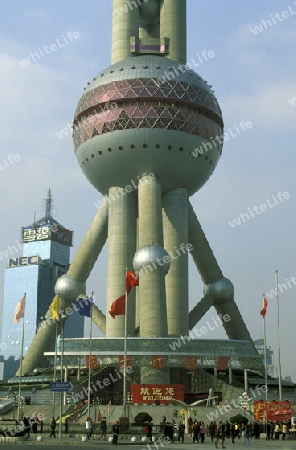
(275, 410)
(150, 393)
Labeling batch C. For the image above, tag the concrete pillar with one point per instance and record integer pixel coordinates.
(71, 286)
(175, 229)
(173, 27)
(201, 252)
(125, 24)
(153, 318)
(121, 250)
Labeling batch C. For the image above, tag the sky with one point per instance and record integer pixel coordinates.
(246, 209)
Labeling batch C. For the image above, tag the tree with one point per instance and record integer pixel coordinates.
(143, 417)
(239, 419)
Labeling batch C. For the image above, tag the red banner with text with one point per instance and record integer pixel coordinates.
(92, 362)
(160, 393)
(272, 410)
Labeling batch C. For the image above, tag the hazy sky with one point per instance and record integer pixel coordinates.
(253, 76)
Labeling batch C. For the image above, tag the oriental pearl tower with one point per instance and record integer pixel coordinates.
(136, 132)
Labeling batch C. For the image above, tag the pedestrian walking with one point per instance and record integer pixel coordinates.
(53, 427)
(220, 434)
(246, 434)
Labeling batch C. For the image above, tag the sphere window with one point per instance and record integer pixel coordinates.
(100, 152)
(109, 149)
(120, 147)
(86, 159)
(144, 145)
(92, 155)
(132, 146)
(181, 149)
(170, 147)
(157, 145)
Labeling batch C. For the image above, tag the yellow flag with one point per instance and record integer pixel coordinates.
(54, 307)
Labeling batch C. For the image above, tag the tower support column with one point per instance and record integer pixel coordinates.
(152, 296)
(175, 229)
(121, 249)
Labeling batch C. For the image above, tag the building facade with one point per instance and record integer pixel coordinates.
(46, 256)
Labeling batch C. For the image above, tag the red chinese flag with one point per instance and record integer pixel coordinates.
(158, 362)
(264, 309)
(131, 280)
(118, 306)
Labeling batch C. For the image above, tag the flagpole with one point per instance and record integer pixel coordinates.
(89, 361)
(55, 359)
(21, 362)
(265, 357)
(62, 377)
(125, 350)
(278, 335)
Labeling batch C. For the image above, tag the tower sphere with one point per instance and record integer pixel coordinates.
(148, 115)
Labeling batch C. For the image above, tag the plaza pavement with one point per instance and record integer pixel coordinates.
(50, 444)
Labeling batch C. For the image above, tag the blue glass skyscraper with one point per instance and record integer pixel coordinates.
(46, 256)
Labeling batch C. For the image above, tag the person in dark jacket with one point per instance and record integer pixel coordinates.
(181, 431)
(27, 426)
(53, 427)
(116, 432)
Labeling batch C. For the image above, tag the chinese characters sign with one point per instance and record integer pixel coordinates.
(275, 410)
(191, 363)
(92, 362)
(52, 232)
(150, 393)
(128, 361)
(158, 362)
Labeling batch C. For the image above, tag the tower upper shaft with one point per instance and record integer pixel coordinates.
(155, 27)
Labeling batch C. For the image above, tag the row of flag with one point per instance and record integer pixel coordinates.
(84, 304)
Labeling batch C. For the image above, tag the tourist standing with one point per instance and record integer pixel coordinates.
(181, 431)
(116, 432)
(202, 430)
(103, 428)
